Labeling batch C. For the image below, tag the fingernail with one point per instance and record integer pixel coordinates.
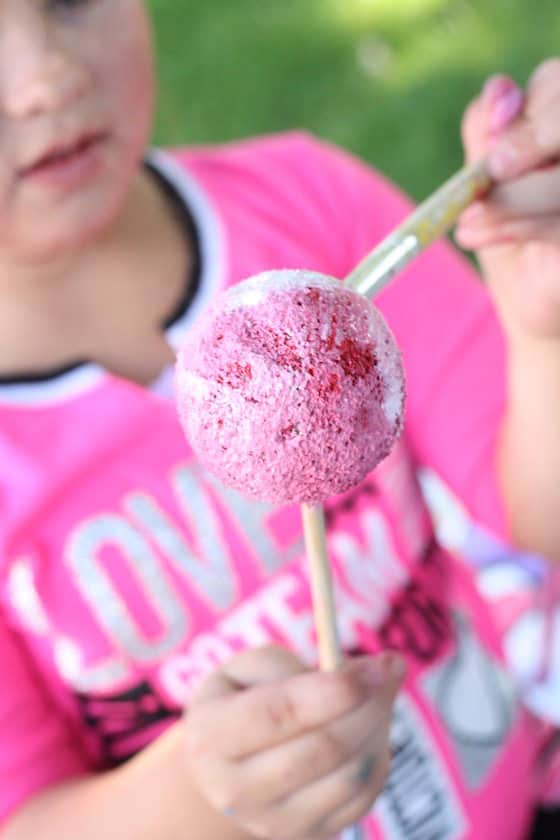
(389, 666)
(505, 109)
(502, 161)
(495, 87)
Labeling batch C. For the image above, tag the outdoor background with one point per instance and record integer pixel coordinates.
(387, 79)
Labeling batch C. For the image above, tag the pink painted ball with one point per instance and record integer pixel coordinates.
(290, 388)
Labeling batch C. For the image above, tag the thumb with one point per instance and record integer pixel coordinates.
(387, 672)
(249, 669)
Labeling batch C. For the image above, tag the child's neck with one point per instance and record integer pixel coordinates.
(105, 303)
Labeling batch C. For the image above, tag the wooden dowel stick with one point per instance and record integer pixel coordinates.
(330, 654)
(324, 608)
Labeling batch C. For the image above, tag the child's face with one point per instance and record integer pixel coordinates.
(75, 112)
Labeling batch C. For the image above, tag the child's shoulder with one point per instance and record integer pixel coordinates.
(295, 163)
(292, 150)
(319, 203)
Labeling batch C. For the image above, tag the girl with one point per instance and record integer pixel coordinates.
(133, 588)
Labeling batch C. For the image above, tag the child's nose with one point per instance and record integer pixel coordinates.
(38, 73)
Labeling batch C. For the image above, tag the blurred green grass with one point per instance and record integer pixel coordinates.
(387, 79)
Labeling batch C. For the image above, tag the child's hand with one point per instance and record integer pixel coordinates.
(517, 230)
(290, 753)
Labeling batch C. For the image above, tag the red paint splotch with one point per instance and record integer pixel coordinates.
(235, 374)
(288, 432)
(356, 360)
(329, 386)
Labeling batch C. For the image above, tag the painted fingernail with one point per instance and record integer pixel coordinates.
(387, 667)
(505, 109)
(495, 87)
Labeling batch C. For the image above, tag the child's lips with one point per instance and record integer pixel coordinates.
(66, 165)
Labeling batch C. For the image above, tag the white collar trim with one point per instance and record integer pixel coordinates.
(82, 378)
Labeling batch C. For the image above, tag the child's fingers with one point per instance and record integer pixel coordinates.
(249, 668)
(534, 194)
(355, 809)
(533, 140)
(486, 231)
(252, 750)
(527, 145)
(542, 86)
(500, 102)
(258, 666)
(329, 804)
(282, 771)
(284, 709)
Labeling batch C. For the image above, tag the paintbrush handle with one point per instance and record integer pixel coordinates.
(431, 219)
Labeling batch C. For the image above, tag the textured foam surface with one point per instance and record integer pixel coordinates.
(291, 387)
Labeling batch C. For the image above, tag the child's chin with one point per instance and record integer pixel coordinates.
(67, 230)
(53, 245)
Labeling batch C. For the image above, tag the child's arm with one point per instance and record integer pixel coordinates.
(268, 749)
(530, 446)
(517, 235)
(149, 798)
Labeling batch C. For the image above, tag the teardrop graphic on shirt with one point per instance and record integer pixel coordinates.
(472, 697)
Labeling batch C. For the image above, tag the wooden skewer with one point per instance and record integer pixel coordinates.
(324, 607)
(330, 653)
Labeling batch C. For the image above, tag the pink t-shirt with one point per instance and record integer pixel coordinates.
(127, 573)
